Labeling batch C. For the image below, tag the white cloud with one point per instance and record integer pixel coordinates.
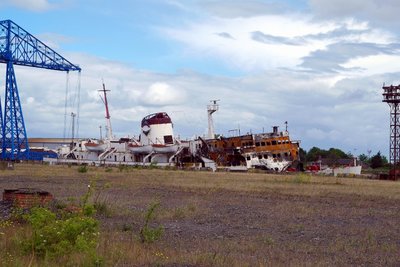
(372, 65)
(271, 41)
(319, 134)
(237, 8)
(245, 52)
(33, 5)
(54, 40)
(30, 100)
(162, 94)
(382, 13)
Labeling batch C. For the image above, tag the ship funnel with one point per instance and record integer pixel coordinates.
(211, 108)
(275, 130)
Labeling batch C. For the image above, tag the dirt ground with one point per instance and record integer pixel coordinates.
(229, 219)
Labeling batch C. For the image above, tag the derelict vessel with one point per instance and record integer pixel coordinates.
(157, 145)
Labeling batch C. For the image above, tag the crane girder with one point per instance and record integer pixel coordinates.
(22, 48)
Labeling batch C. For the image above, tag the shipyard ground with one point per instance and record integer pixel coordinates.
(229, 219)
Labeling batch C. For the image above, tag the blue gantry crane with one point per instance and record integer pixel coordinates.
(18, 47)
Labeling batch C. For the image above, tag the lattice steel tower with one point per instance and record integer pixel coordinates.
(391, 95)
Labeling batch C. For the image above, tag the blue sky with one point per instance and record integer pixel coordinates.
(318, 64)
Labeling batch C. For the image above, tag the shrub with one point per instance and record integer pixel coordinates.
(102, 208)
(150, 234)
(52, 237)
(82, 169)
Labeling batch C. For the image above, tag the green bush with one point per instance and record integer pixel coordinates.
(52, 237)
(149, 235)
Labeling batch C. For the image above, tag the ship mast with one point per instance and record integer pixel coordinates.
(104, 99)
(210, 110)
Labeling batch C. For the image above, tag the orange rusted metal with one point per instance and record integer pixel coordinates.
(229, 150)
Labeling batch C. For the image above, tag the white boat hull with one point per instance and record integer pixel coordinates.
(165, 148)
(137, 149)
(266, 163)
(159, 149)
(92, 147)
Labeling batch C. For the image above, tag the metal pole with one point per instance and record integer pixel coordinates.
(73, 129)
(395, 141)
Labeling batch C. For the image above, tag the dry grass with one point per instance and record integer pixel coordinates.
(227, 219)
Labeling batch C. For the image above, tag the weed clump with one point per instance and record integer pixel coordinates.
(150, 234)
(302, 179)
(83, 169)
(100, 203)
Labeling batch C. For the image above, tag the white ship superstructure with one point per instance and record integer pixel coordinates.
(157, 142)
(156, 145)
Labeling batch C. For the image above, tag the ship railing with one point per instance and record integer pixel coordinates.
(147, 156)
(174, 155)
(70, 152)
(109, 151)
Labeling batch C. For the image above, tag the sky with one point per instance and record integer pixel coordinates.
(317, 64)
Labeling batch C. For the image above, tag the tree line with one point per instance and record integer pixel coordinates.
(334, 154)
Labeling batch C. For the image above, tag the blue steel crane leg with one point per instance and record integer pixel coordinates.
(15, 142)
(1, 128)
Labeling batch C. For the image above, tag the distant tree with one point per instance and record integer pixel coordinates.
(332, 154)
(363, 158)
(302, 155)
(385, 160)
(377, 161)
(315, 153)
(335, 153)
